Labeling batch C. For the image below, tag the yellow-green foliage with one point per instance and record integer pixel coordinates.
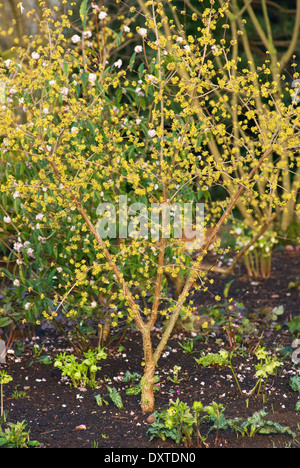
(81, 125)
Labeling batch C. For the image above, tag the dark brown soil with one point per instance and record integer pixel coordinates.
(53, 410)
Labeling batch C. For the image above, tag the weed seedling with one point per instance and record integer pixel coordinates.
(187, 346)
(175, 378)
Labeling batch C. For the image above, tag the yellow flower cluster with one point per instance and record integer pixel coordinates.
(80, 127)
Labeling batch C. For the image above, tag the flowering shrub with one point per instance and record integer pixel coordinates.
(80, 127)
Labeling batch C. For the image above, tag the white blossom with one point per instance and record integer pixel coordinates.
(139, 91)
(118, 63)
(64, 91)
(87, 34)
(17, 283)
(152, 133)
(75, 39)
(7, 63)
(30, 252)
(18, 246)
(102, 15)
(92, 78)
(142, 32)
(39, 217)
(126, 29)
(94, 304)
(138, 49)
(95, 6)
(35, 55)
(7, 219)
(152, 78)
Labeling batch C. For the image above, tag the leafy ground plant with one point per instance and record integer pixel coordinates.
(182, 423)
(113, 394)
(81, 373)
(15, 436)
(220, 359)
(295, 385)
(266, 367)
(257, 424)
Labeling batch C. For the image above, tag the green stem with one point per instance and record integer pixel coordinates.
(234, 375)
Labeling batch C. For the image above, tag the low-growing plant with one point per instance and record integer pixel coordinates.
(183, 423)
(175, 379)
(177, 422)
(187, 346)
(219, 359)
(15, 436)
(294, 325)
(38, 354)
(113, 394)
(4, 379)
(18, 394)
(295, 385)
(135, 388)
(266, 367)
(81, 373)
(257, 424)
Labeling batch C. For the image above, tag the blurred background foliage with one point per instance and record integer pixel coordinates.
(271, 29)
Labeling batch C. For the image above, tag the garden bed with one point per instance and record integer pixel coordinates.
(60, 416)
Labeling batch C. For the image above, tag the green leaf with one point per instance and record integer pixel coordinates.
(3, 441)
(227, 287)
(83, 12)
(295, 383)
(66, 68)
(5, 321)
(136, 390)
(132, 60)
(115, 397)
